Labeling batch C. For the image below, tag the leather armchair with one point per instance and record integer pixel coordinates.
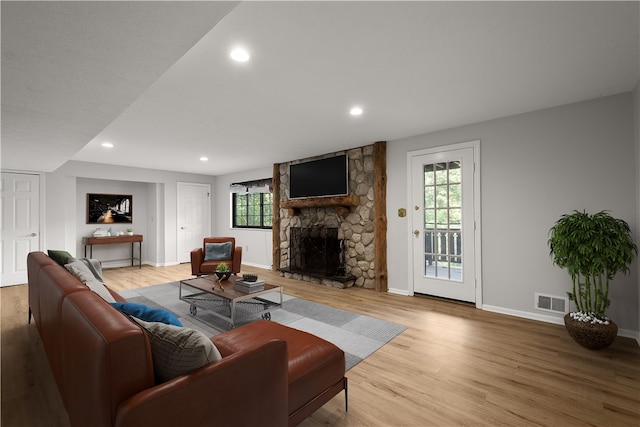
(200, 267)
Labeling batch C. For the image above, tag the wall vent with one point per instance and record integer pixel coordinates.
(552, 303)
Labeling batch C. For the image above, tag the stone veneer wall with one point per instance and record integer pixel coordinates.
(357, 228)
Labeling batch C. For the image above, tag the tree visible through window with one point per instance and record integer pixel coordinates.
(252, 210)
(443, 220)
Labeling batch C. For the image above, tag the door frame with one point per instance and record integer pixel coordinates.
(41, 210)
(477, 250)
(209, 214)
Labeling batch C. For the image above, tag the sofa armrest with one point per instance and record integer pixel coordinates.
(248, 388)
(237, 260)
(197, 258)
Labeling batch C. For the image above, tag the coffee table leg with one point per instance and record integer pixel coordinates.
(233, 314)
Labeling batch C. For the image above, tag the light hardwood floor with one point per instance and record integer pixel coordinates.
(454, 365)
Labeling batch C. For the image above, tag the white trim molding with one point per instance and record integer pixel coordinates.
(402, 292)
(627, 333)
(475, 145)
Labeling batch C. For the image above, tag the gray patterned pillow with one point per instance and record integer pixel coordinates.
(217, 251)
(89, 272)
(176, 350)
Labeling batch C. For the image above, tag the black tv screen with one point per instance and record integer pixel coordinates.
(318, 178)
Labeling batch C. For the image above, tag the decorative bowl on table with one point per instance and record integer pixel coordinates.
(249, 277)
(223, 275)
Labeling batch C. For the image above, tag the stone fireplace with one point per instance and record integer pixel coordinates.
(333, 240)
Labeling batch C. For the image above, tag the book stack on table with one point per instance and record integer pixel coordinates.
(248, 287)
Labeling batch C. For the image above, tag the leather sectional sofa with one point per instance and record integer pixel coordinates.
(102, 362)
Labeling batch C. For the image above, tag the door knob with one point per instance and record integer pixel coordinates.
(416, 232)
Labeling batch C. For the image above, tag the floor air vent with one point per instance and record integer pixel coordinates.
(552, 303)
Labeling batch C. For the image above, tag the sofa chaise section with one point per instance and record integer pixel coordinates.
(102, 360)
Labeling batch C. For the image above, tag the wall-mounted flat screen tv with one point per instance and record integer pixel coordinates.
(319, 178)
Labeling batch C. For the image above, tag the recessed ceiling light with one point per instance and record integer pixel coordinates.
(107, 145)
(204, 159)
(356, 111)
(240, 55)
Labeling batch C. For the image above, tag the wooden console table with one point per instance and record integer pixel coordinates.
(91, 241)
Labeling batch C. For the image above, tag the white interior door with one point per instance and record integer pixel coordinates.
(444, 223)
(194, 217)
(20, 222)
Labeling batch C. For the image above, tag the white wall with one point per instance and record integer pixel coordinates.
(636, 128)
(155, 210)
(256, 244)
(140, 209)
(534, 168)
(65, 204)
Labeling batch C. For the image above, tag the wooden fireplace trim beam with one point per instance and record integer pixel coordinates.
(275, 226)
(342, 204)
(380, 211)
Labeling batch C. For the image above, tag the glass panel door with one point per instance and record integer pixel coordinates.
(443, 223)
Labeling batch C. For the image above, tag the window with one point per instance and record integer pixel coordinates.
(252, 204)
(443, 220)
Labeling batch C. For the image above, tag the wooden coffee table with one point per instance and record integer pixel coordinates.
(228, 304)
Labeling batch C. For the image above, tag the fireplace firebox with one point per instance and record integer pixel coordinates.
(316, 251)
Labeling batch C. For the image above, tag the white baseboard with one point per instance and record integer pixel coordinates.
(396, 291)
(164, 264)
(251, 264)
(119, 264)
(627, 333)
(524, 314)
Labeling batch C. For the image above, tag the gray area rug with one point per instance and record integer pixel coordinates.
(357, 335)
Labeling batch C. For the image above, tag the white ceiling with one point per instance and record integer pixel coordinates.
(77, 74)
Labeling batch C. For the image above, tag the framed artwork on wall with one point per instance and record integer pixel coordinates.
(109, 208)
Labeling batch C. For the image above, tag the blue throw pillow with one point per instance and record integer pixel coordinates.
(217, 251)
(148, 314)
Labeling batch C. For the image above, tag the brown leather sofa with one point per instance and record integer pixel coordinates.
(103, 367)
(200, 267)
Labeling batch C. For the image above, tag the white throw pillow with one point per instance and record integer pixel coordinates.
(177, 350)
(89, 272)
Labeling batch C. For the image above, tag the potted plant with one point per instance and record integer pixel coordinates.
(130, 231)
(593, 249)
(222, 271)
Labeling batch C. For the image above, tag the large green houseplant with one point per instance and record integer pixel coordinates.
(593, 249)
